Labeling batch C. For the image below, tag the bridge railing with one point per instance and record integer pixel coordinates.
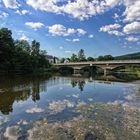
(102, 62)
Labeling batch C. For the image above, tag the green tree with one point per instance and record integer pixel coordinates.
(18, 56)
(81, 55)
(35, 48)
(90, 59)
(100, 58)
(74, 58)
(23, 45)
(6, 49)
(108, 57)
(62, 60)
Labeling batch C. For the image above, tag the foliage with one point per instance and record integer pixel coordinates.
(105, 58)
(62, 60)
(74, 58)
(19, 56)
(90, 59)
(129, 56)
(81, 55)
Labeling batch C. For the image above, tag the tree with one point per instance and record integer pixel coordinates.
(35, 48)
(81, 55)
(62, 60)
(74, 58)
(18, 56)
(105, 58)
(100, 58)
(90, 59)
(23, 45)
(6, 49)
(108, 57)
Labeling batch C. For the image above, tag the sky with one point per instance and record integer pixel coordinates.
(63, 27)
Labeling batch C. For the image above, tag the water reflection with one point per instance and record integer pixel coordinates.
(8, 98)
(21, 89)
(37, 107)
(79, 83)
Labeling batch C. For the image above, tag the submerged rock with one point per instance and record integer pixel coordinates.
(95, 122)
(90, 136)
(12, 132)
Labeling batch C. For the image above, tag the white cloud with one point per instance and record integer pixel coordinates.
(71, 31)
(132, 39)
(115, 32)
(73, 40)
(34, 25)
(13, 4)
(23, 12)
(81, 31)
(58, 29)
(132, 28)
(132, 11)
(67, 39)
(112, 3)
(59, 106)
(35, 110)
(12, 132)
(110, 27)
(116, 16)
(81, 9)
(61, 30)
(24, 37)
(3, 15)
(90, 36)
(76, 40)
(68, 52)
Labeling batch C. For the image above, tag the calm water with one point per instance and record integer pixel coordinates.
(69, 108)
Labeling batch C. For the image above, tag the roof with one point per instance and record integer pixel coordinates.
(50, 57)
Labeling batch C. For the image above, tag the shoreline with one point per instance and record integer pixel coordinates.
(136, 82)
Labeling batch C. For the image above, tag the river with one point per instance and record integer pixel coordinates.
(69, 108)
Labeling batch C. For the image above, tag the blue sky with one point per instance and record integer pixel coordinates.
(63, 27)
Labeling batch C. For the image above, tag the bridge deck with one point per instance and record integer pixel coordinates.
(99, 63)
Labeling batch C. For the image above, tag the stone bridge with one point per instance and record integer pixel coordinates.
(105, 65)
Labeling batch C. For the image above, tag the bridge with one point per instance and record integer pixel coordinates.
(107, 66)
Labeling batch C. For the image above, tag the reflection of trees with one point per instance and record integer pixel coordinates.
(74, 83)
(35, 91)
(8, 98)
(19, 90)
(80, 83)
(127, 76)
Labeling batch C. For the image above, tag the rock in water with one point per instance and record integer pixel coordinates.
(90, 136)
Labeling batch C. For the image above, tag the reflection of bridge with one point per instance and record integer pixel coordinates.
(105, 65)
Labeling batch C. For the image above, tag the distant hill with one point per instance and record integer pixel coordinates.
(128, 56)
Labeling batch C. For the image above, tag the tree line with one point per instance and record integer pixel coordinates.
(19, 55)
(82, 57)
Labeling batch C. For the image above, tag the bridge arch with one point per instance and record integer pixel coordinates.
(93, 67)
(66, 69)
(124, 65)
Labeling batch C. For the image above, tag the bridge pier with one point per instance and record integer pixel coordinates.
(76, 71)
(106, 71)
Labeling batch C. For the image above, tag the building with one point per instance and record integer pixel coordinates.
(50, 59)
(53, 59)
(66, 60)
